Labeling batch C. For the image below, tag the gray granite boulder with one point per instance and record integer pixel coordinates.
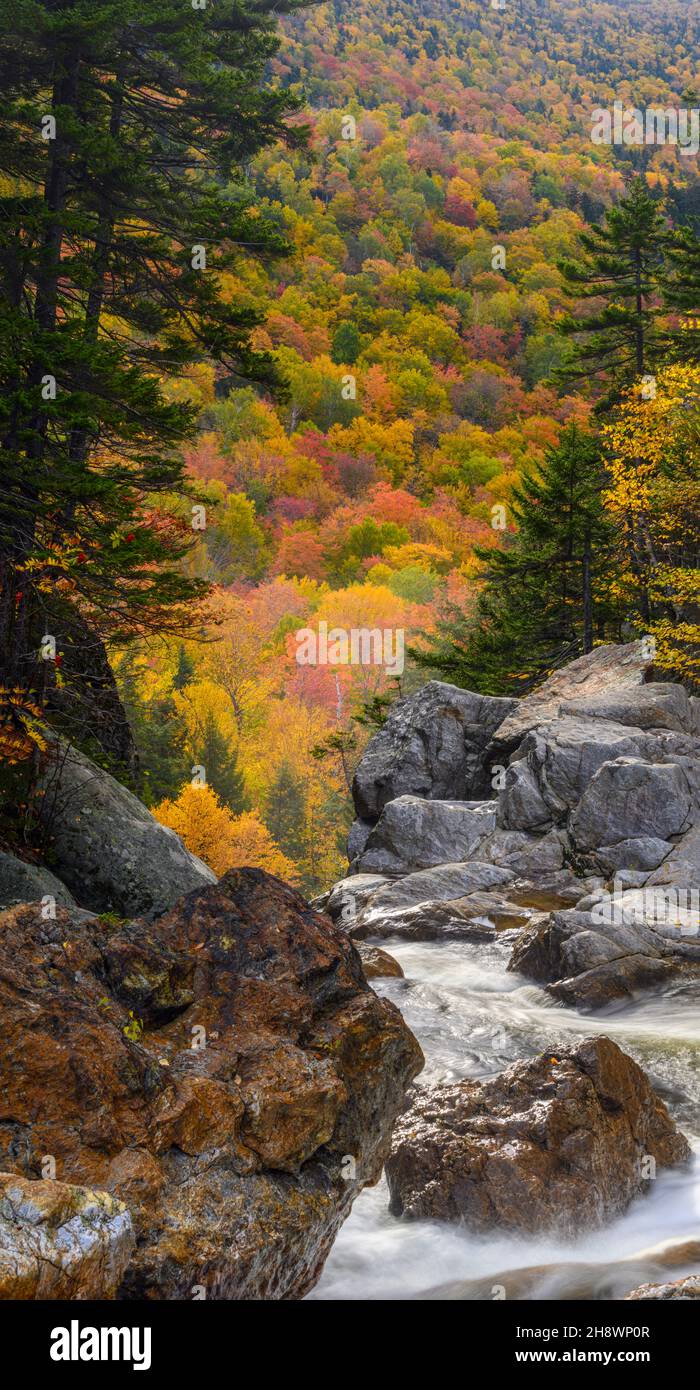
(432, 745)
(412, 834)
(29, 883)
(628, 798)
(106, 846)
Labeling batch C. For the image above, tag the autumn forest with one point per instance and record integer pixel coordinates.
(362, 332)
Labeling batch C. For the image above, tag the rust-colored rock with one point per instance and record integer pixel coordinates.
(378, 964)
(563, 1142)
(226, 1071)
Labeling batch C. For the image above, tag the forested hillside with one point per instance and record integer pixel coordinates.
(431, 223)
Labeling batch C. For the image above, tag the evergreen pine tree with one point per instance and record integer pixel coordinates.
(185, 669)
(220, 762)
(285, 812)
(547, 594)
(124, 130)
(622, 265)
(681, 290)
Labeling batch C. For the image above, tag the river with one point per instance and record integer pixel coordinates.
(472, 1019)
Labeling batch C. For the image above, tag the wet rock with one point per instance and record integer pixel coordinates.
(607, 669)
(347, 897)
(226, 1071)
(688, 1288)
(29, 883)
(442, 884)
(378, 964)
(609, 948)
(432, 745)
(624, 978)
(61, 1242)
(106, 846)
(413, 834)
(464, 919)
(562, 1142)
(628, 798)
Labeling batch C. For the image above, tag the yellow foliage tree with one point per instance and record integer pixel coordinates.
(653, 456)
(223, 841)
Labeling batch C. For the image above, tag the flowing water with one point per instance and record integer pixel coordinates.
(472, 1019)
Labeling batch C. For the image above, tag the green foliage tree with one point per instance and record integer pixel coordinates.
(621, 265)
(285, 812)
(220, 762)
(548, 593)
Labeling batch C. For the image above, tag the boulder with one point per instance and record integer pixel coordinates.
(359, 833)
(629, 798)
(61, 1242)
(29, 883)
(472, 918)
(106, 846)
(442, 884)
(681, 867)
(378, 964)
(348, 897)
(641, 853)
(226, 1072)
(563, 758)
(521, 805)
(609, 949)
(560, 1143)
(604, 670)
(413, 834)
(529, 856)
(432, 745)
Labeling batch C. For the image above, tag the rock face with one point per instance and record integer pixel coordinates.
(432, 745)
(597, 777)
(61, 1242)
(609, 669)
(562, 1142)
(106, 846)
(412, 834)
(226, 1072)
(28, 883)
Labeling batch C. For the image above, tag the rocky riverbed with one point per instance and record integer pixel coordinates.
(534, 870)
(198, 1082)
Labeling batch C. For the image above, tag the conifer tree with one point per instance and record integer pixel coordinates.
(124, 130)
(681, 288)
(284, 815)
(185, 669)
(621, 265)
(221, 764)
(546, 596)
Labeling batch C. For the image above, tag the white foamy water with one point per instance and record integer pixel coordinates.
(472, 1018)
